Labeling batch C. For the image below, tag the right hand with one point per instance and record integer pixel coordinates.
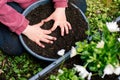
(60, 20)
(36, 34)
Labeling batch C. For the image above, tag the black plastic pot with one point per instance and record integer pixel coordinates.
(28, 10)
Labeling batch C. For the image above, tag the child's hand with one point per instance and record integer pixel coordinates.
(60, 20)
(36, 34)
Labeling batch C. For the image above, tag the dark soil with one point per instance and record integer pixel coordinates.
(79, 26)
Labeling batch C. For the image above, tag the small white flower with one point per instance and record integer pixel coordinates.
(60, 71)
(109, 69)
(119, 39)
(100, 44)
(89, 76)
(83, 75)
(79, 68)
(82, 71)
(117, 70)
(73, 52)
(61, 52)
(1, 71)
(112, 26)
(57, 79)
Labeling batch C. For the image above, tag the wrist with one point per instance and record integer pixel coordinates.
(60, 9)
(25, 30)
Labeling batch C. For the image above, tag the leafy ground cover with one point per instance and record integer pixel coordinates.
(23, 67)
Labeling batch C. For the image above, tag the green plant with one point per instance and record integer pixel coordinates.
(107, 2)
(97, 58)
(19, 67)
(66, 74)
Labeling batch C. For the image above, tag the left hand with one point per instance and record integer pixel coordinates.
(60, 20)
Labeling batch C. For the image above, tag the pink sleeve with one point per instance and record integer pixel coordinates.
(60, 3)
(25, 3)
(16, 21)
(11, 18)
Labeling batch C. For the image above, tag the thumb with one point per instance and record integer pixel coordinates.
(54, 27)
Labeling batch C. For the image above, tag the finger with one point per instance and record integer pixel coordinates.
(50, 37)
(62, 30)
(42, 22)
(46, 40)
(47, 31)
(40, 44)
(54, 26)
(66, 29)
(69, 25)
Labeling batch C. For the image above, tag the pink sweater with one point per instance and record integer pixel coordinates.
(16, 21)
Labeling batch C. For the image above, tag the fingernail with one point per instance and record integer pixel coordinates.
(70, 28)
(55, 38)
(50, 31)
(51, 42)
(43, 46)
